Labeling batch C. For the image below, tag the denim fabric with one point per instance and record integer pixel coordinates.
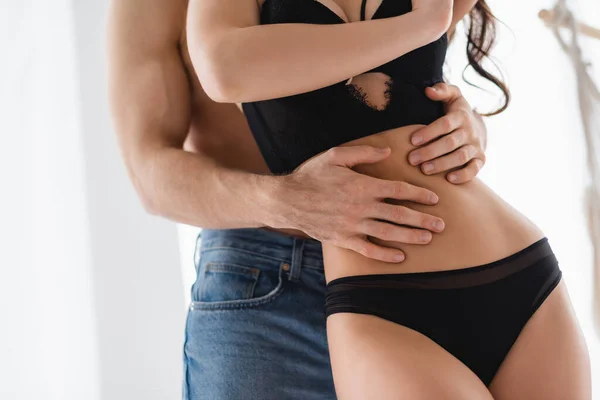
(256, 324)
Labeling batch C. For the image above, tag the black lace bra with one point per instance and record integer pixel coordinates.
(290, 130)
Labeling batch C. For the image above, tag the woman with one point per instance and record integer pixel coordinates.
(481, 312)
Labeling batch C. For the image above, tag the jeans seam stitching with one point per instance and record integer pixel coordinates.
(243, 251)
(241, 305)
(257, 254)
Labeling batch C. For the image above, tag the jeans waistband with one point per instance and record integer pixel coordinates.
(297, 251)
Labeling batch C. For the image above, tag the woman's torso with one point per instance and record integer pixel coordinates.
(292, 129)
(480, 226)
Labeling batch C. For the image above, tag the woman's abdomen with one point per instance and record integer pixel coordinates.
(480, 226)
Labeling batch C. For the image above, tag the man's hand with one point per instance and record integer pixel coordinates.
(456, 142)
(329, 201)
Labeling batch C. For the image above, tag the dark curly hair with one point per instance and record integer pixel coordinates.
(481, 37)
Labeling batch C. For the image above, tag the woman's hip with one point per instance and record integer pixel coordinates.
(480, 228)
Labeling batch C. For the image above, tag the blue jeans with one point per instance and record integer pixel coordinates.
(256, 326)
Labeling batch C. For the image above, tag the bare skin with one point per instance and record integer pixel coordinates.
(389, 360)
(191, 159)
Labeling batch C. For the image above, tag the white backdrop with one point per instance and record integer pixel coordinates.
(91, 296)
(90, 286)
(48, 330)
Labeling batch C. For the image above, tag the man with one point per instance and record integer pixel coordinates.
(255, 328)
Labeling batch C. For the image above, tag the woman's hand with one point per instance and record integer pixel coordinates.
(456, 142)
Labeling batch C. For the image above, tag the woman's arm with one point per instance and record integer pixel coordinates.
(238, 60)
(460, 9)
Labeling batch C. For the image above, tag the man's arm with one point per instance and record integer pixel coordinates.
(151, 106)
(150, 100)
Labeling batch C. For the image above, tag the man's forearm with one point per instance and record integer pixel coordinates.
(195, 190)
(319, 198)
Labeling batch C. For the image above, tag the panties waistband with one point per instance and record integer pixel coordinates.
(457, 278)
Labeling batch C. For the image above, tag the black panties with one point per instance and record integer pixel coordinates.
(476, 313)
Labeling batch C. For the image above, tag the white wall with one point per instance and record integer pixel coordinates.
(90, 286)
(187, 247)
(48, 326)
(136, 274)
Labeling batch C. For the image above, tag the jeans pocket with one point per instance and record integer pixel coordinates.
(227, 281)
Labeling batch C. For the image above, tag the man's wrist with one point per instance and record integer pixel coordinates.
(255, 197)
(271, 203)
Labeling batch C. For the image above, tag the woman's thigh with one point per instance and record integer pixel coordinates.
(373, 358)
(550, 359)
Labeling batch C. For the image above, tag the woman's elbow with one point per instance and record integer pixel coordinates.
(218, 78)
(221, 88)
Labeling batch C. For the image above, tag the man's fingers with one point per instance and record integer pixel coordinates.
(405, 216)
(440, 127)
(400, 190)
(394, 233)
(371, 250)
(443, 92)
(458, 158)
(349, 156)
(467, 173)
(438, 148)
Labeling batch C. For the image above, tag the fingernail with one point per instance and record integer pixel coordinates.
(438, 225)
(426, 236)
(427, 167)
(414, 159)
(417, 139)
(399, 258)
(433, 198)
(383, 149)
(452, 178)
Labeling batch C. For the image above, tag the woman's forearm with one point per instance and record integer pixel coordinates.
(237, 63)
